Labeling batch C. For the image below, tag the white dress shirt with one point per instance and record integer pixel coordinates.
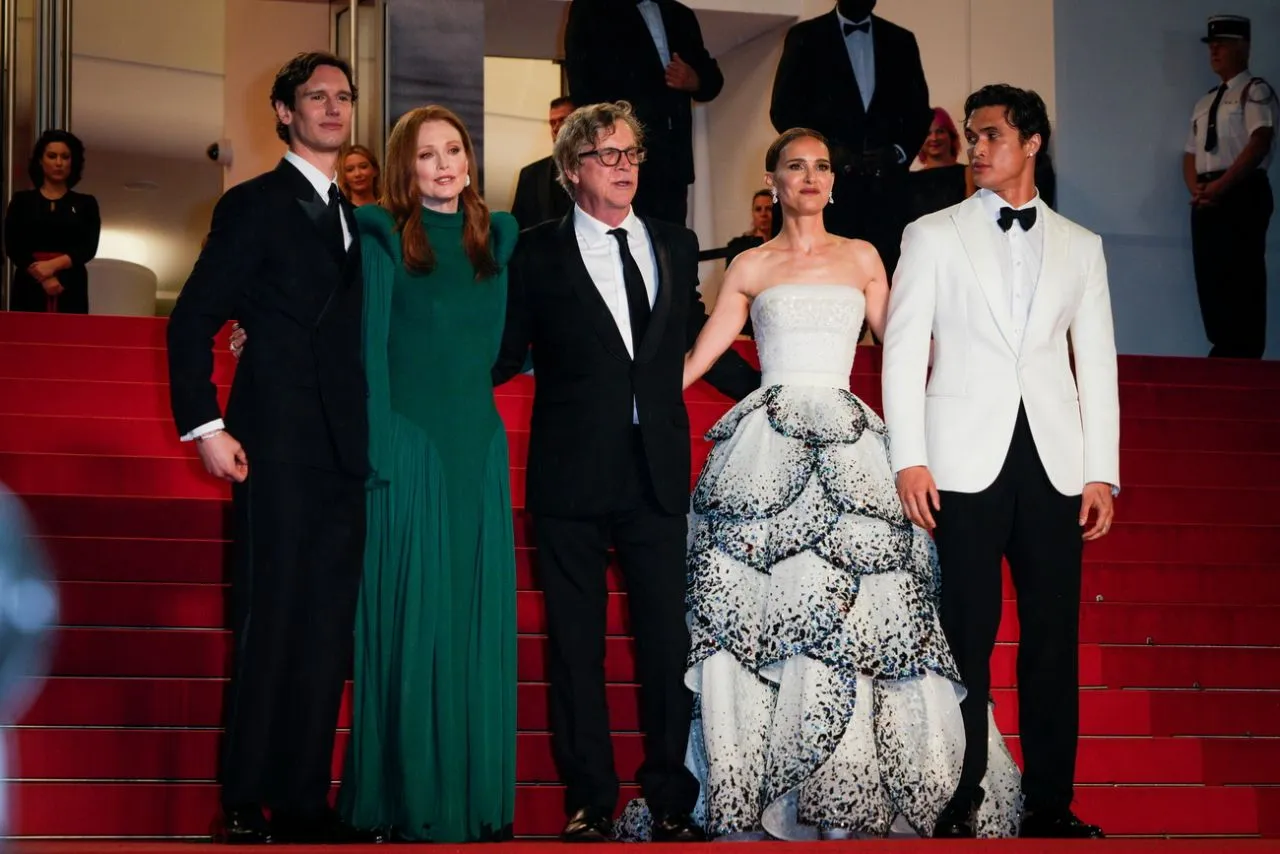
(1020, 256)
(1237, 120)
(603, 260)
(862, 56)
(322, 185)
(653, 20)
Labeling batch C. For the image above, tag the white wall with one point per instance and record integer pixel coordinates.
(517, 93)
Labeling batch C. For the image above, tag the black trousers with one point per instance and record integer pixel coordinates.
(29, 295)
(572, 559)
(299, 543)
(1229, 247)
(1022, 517)
(660, 193)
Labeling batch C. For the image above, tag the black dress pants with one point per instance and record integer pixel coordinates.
(1229, 248)
(572, 560)
(1022, 517)
(298, 556)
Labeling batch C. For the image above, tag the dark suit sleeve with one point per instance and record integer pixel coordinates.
(913, 101)
(17, 231)
(795, 103)
(524, 207)
(86, 245)
(731, 375)
(517, 332)
(226, 266)
(694, 52)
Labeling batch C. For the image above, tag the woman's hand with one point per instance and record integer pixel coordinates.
(238, 337)
(42, 270)
(52, 286)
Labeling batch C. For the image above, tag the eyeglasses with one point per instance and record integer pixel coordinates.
(613, 156)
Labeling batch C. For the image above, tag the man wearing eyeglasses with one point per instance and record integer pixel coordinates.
(653, 58)
(608, 301)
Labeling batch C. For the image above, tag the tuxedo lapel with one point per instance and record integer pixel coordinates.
(841, 65)
(880, 54)
(594, 305)
(662, 301)
(1053, 260)
(312, 206)
(978, 238)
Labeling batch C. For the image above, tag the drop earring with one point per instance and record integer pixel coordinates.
(774, 193)
(468, 182)
(831, 198)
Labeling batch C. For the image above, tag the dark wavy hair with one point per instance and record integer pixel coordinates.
(1023, 109)
(774, 154)
(295, 72)
(36, 172)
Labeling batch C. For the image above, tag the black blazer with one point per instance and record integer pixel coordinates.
(539, 196)
(582, 418)
(609, 55)
(815, 88)
(299, 391)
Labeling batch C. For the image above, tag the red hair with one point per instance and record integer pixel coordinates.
(942, 118)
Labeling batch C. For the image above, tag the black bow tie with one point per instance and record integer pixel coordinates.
(1025, 218)
(864, 27)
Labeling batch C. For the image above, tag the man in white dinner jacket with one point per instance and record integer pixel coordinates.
(1006, 453)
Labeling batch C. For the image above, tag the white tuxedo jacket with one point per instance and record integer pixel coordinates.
(949, 285)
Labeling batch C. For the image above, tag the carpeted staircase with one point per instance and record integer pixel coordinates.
(1180, 653)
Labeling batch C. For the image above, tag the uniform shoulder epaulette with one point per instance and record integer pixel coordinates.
(1270, 91)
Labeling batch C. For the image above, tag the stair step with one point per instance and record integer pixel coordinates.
(204, 606)
(187, 809)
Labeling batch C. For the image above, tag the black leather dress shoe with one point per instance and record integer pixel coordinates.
(1056, 824)
(959, 818)
(588, 824)
(324, 828)
(244, 826)
(676, 827)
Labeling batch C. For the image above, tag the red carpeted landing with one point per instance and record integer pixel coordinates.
(1180, 647)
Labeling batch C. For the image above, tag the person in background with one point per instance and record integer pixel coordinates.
(761, 230)
(654, 58)
(1229, 148)
(857, 79)
(937, 179)
(539, 196)
(51, 232)
(359, 176)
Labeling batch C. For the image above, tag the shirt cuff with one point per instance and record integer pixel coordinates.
(203, 430)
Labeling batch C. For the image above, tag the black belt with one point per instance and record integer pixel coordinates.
(1205, 177)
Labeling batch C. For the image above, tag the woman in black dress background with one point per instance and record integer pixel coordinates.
(937, 180)
(51, 232)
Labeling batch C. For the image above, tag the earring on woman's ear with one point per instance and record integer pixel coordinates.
(831, 197)
(774, 193)
(468, 183)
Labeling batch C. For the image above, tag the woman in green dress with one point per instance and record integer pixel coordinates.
(432, 750)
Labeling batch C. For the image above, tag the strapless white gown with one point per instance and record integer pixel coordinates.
(827, 698)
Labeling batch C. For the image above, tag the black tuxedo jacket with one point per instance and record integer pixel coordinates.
(539, 196)
(582, 429)
(609, 55)
(299, 390)
(815, 87)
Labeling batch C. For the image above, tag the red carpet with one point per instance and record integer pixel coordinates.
(1180, 652)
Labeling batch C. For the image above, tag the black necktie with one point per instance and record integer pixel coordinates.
(864, 27)
(1211, 132)
(637, 293)
(333, 217)
(1025, 218)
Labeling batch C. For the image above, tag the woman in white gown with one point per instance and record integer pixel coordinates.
(827, 699)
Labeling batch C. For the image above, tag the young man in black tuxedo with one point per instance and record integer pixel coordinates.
(539, 196)
(283, 258)
(857, 79)
(649, 53)
(609, 302)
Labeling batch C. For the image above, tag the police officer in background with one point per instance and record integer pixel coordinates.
(1227, 155)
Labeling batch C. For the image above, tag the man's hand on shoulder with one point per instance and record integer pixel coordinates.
(918, 492)
(223, 457)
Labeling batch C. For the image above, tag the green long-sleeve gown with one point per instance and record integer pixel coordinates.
(432, 752)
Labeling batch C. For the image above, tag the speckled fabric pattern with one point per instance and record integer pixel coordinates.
(827, 699)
